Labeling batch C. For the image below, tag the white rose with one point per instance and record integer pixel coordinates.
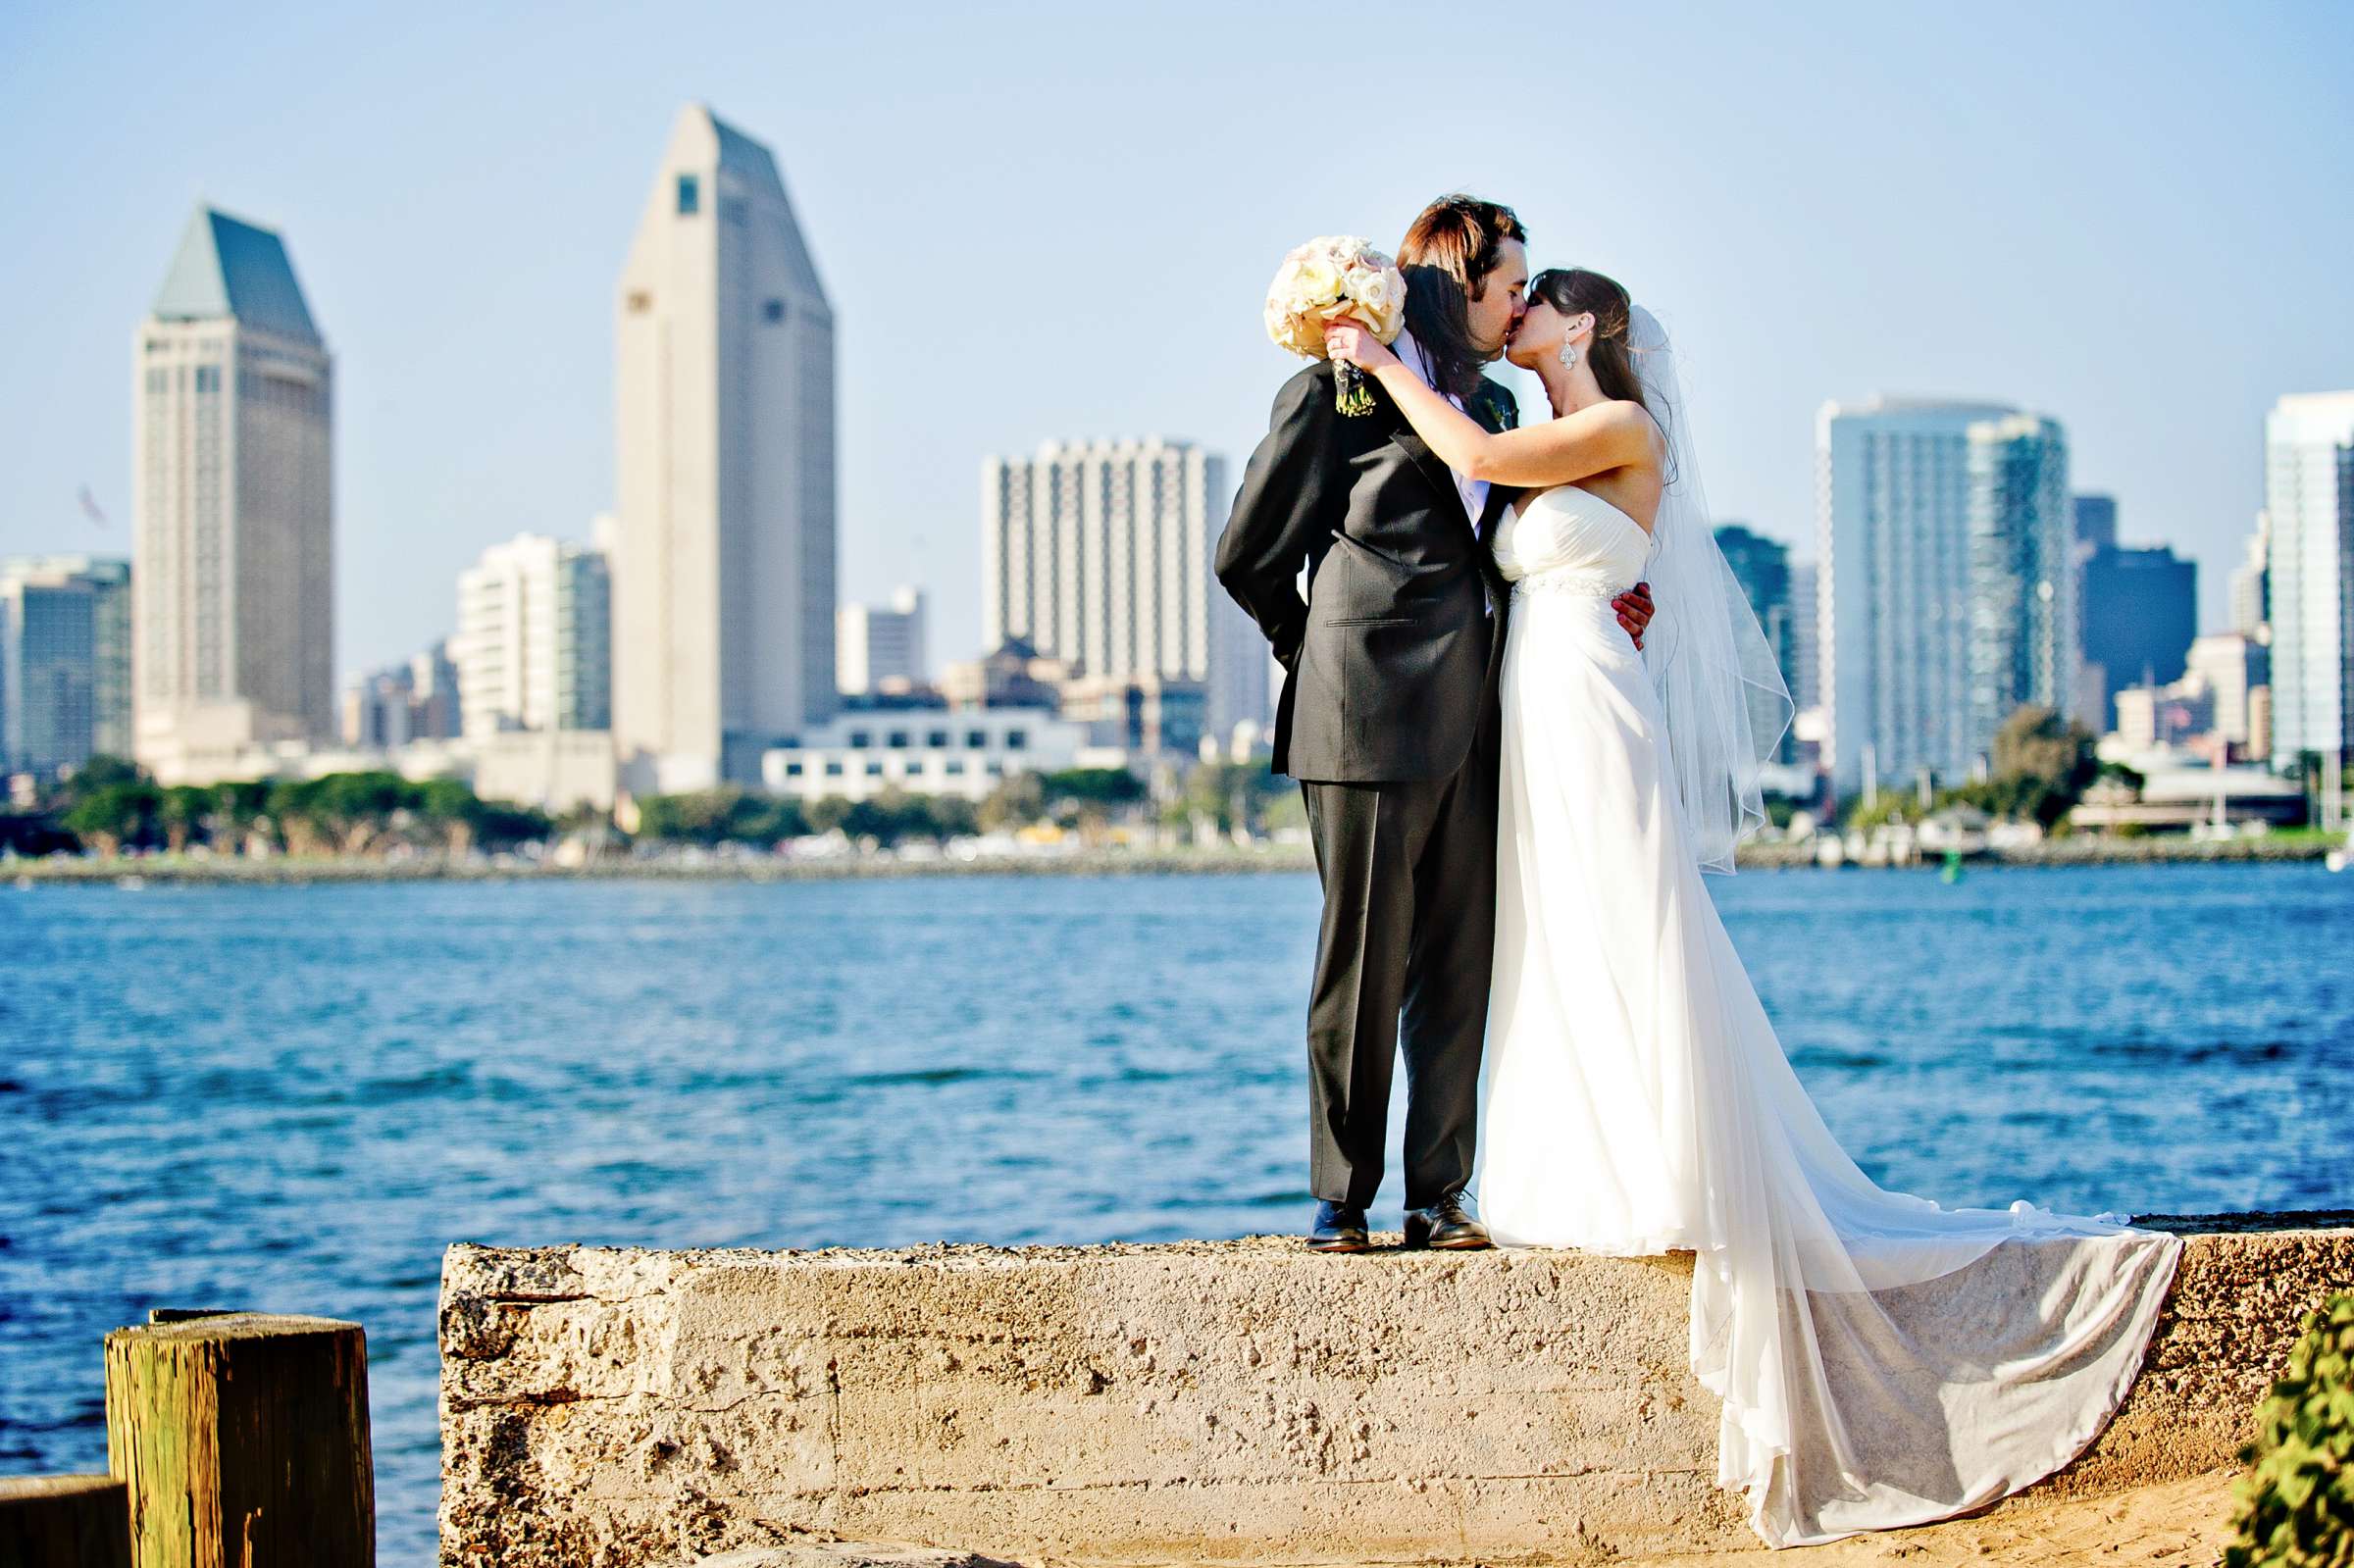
(1326, 280)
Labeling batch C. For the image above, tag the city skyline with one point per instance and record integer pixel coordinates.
(482, 389)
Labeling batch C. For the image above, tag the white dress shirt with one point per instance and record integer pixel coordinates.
(1473, 491)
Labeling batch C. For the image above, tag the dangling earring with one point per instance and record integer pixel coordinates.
(1568, 354)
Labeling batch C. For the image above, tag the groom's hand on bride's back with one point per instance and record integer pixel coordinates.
(1634, 609)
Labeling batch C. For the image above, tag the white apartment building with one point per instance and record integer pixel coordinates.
(2309, 502)
(925, 752)
(233, 591)
(534, 646)
(723, 601)
(2231, 667)
(1099, 554)
(1946, 583)
(881, 647)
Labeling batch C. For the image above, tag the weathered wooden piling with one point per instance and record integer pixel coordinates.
(243, 1440)
(64, 1522)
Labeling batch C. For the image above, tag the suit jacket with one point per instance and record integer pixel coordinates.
(1390, 658)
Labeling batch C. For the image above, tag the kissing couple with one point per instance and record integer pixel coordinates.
(1517, 765)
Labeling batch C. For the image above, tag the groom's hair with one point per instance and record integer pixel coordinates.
(1447, 255)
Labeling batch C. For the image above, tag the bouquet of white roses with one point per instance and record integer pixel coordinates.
(1324, 280)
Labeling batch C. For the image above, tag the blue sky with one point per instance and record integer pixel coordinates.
(1046, 221)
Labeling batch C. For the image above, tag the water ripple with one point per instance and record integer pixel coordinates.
(296, 1097)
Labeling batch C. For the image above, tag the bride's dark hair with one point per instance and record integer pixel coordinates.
(1574, 291)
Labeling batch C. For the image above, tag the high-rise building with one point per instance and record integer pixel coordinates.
(416, 700)
(2141, 611)
(2251, 587)
(1761, 566)
(2309, 498)
(2096, 521)
(1805, 643)
(65, 653)
(1948, 588)
(1097, 554)
(2231, 667)
(723, 603)
(879, 647)
(2096, 529)
(434, 681)
(2025, 642)
(379, 708)
(44, 680)
(534, 648)
(233, 602)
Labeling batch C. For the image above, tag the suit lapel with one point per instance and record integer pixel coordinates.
(1402, 432)
(1441, 477)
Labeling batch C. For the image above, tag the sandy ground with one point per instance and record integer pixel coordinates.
(2182, 1524)
(2179, 1523)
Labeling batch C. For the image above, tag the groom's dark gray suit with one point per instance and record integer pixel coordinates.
(1388, 719)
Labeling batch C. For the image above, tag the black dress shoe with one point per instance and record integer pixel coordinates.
(1340, 1228)
(1446, 1225)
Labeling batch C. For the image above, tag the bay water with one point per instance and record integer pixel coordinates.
(292, 1098)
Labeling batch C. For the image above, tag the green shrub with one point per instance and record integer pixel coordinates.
(2296, 1506)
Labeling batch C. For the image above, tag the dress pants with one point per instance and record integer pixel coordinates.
(1403, 957)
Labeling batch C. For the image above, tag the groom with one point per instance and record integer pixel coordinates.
(1388, 719)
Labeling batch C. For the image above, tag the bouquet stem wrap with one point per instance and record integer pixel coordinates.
(1350, 394)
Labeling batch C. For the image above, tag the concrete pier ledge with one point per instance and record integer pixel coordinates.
(1234, 1402)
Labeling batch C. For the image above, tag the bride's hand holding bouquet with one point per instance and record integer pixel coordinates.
(1347, 343)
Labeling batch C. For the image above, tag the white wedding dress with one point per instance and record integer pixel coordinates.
(1882, 1361)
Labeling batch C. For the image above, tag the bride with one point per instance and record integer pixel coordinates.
(1882, 1361)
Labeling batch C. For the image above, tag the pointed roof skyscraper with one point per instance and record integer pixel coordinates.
(724, 562)
(233, 493)
(743, 158)
(228, 267)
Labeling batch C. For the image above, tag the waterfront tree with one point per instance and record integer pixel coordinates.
(954, 817)
(1099, 786)
(2042, 764)
(713, 816)
(115, 815)
(360, 810)
(448, 809)
(86, 778)
(240, 809)
(1016, 802)
(894, 816)
(1229, 795)
(828, 814)
(182, 813)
